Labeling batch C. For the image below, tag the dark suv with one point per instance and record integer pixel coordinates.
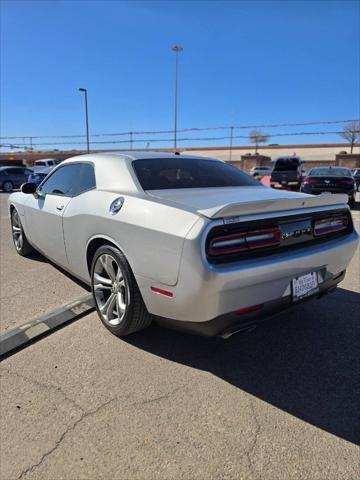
(13, 177)
(287, 173)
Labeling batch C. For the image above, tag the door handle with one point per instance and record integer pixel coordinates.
(60, 207)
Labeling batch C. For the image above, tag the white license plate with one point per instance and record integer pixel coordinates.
(305, 285)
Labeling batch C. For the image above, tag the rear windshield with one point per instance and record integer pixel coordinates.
(169, 173)
(330, 172)
(286, 164)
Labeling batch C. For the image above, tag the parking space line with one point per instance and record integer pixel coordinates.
(34, 329)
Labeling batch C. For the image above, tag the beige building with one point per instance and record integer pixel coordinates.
(311, 154)
(308, 153)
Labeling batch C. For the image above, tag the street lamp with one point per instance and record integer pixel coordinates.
(177, 49)
(86, 118)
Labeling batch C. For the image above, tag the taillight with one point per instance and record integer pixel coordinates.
(241, 242)
(309, 180)
(330, 225)
(347, 181)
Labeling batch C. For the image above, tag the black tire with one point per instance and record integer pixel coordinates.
(7, 186)
(352, 202)
(136, 316)
(22, 247)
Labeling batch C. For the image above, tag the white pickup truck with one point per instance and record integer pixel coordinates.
(46, 162)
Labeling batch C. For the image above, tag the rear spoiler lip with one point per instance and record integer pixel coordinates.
(276, 205)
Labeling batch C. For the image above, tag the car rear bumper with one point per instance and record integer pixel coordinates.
(319, 191)
(282, 184)
(229, 324)
(205, 292)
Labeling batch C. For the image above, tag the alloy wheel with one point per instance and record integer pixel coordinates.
(7, 187)
(17, 231)
(110, 288)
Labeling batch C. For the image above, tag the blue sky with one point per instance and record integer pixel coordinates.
(244, 63)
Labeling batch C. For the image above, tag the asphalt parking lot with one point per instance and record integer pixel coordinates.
(30, 286)
(279, 402)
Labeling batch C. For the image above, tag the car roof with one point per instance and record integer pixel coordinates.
(45, 160)
(330, 167)
(5, 167)
(130, 156)
(113, 169)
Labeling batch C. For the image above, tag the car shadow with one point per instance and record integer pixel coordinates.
(38, 257)
(305, 361)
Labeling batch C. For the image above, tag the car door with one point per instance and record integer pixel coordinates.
(13, 176)
(16, 176)
(44, 212)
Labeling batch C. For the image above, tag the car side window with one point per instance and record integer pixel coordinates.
(86, 178)
(70, 180)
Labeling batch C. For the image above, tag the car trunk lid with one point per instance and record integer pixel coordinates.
(331, 182)
(233, 201)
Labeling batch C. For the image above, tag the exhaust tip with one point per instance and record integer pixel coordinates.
(229, 333)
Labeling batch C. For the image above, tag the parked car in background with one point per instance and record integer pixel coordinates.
(38, 174)
(330, 179)
(356, 175)
(260, 171)
(287, 173)
(46, 162)
(191, 242)
(13, 177)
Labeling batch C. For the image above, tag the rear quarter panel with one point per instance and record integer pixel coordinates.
(149, 233)
(18, 200)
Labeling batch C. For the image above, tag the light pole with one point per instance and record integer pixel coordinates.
(231, 142)
(86, 118)
(177, 49)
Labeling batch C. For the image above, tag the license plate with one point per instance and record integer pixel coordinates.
(304, 286)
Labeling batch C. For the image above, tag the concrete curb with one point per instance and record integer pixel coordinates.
(30, 331)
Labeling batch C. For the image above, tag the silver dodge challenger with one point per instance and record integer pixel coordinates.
(191, 242)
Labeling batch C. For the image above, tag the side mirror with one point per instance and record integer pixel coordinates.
(28, 188)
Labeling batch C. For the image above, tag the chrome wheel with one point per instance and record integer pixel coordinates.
(17, 231)
(111, 291)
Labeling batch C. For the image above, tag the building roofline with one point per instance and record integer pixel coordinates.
(275, 147)
(246, 148)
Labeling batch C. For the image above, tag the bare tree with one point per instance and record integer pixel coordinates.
(351, 134)
(257, 137)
